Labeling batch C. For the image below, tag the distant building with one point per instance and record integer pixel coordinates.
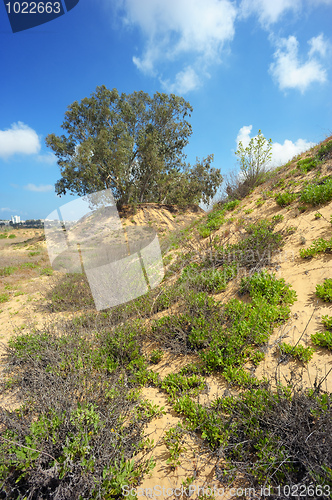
(16, 219)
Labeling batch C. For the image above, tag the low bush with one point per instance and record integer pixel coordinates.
(255, 249)
(299, 352)
(285, 198)
(317, 194)
(281, 438)
(324, 339)
(80, 425)
(324, 291)
(7, 271)
(71, 293)
(325, 151)
(3, 236)
(209, 280)
(317, 246)
(4, 297)
(307, 164)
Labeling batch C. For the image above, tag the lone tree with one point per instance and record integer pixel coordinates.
(254, 159)
(132, 144)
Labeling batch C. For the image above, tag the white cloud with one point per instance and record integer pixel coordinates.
(19, 139)
(268, 11)
(181, 28)
(185, 81)
(39, 189)
(244, 135)
(289, 72)
(281, 153)
(318, 45)
(48, 158)
(6, 209)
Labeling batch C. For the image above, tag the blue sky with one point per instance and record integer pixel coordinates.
(243, 65)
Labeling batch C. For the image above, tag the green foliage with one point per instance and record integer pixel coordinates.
(132, 144)
(325, 151)
(278, 218)
(327, 321)
(172, 439)
(257, 247)
(254, 158)
(80, 388)
(176, 384)
(263, 284)
(156, 356)
(323, 339)
(260, 202)
(7, 271)
(71, 293)
(11, 236)
(324, 291)
(46, 271)
(307, 164)
(299, 352)
(266, 434)
(316, 194)
(28, 265)
(231, 205)
(317, 246)
(3, 235)
(4, 297)
(285, 198)
(209, 280)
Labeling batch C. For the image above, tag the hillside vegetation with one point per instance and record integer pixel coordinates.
(220, 377)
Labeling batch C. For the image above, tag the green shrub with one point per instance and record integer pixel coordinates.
(285, 198)
(317, 246)
(299, 352)
(209, 280)
(46, 271)
(4, 297)
(71, 293)
(263, 284)
(28, 265)
(11, 236)
(156, 356)
(317, 194)
(265, 433)
(7, 271)
(260, 202)
(327, 321)
(324, 291)
(323, 339)
(325, 151)
(3, 236)
(278, 218)
(230, 205)
(307, 164)
(255, 248)
(82, 418)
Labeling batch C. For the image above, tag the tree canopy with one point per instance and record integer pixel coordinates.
(132, 144)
